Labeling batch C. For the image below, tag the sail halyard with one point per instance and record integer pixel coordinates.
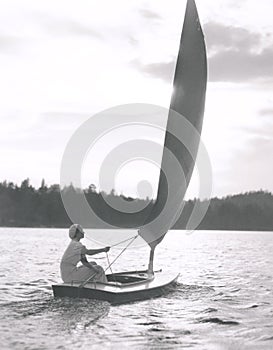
(188, 101)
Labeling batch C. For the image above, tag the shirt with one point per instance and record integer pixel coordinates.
(70, 259)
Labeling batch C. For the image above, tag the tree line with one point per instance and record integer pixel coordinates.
(26, 206)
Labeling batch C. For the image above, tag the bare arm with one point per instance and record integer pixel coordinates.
(85, 262)
(95, 251)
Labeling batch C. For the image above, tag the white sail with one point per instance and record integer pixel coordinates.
(187, 103)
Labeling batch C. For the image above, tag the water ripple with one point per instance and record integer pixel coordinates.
(219, 321)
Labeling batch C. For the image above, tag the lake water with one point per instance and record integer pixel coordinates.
(223, 300)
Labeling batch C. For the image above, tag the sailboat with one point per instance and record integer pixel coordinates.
(187, 103)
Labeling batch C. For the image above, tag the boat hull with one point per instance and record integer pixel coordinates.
(140, 286)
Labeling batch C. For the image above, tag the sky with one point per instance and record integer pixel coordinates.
(63, 61)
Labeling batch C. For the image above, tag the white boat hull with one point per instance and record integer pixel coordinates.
(123, 287)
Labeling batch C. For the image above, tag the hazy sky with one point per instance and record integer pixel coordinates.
(62, 61)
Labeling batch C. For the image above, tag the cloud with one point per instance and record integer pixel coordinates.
(149, 14)
(267, 112)
(235, 55)
(220, 36)
(241, 66)
(160, 70)
(67, 27)
(132, 40)
(9, 43)
(54, 27)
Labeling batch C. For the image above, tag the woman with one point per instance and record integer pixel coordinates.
(76, 252)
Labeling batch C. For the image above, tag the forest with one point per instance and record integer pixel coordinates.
(26, 206)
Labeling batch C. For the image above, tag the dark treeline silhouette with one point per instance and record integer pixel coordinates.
(26, 206)
(251, 211)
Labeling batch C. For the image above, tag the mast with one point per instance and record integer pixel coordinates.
(151, 261)
(187, 103)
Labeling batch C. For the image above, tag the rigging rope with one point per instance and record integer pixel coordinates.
(110, 264)
(131, 239)
(110, 267)
(114, 245)
(123, 250)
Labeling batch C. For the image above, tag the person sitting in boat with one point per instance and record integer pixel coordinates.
(76, 252)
